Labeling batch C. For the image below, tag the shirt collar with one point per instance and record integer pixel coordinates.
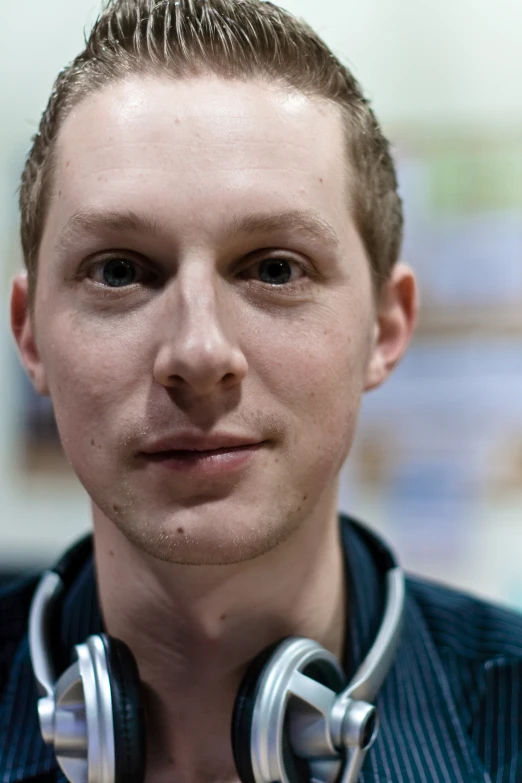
(416, 686)
(365, 591)
(421, 735)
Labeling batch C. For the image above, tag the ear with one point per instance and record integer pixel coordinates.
(22, 325)
(396, 316)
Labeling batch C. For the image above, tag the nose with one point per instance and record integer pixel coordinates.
(199, 352)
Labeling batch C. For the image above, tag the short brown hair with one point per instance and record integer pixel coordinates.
(235, 39)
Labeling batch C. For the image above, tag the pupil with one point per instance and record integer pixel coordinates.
(275, 272)
(119, 273)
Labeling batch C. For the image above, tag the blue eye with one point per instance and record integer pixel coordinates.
(275, 271)
(118, 272)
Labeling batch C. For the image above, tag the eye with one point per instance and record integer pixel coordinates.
(274, 271)
(118, 272)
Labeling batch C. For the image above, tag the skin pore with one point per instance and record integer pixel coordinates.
(201, 281)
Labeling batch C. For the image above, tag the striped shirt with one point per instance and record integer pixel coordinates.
(450, 707)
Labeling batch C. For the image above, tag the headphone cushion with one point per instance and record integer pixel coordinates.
(128, 712)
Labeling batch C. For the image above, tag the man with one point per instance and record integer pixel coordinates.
(211, 229)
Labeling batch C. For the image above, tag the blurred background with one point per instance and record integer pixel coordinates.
(437, 464)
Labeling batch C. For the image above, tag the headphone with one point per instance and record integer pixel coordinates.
(295, 718)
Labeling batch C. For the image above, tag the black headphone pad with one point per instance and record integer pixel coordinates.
(128, 712)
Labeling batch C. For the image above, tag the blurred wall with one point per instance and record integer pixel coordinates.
(445, 80)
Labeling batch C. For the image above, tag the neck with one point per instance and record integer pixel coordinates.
(194, 629)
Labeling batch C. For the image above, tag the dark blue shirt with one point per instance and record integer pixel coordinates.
(450, 708)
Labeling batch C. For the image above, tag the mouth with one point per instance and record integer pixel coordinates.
(187, 454)
(220, 459)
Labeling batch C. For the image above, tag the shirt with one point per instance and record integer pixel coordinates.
(449, 707)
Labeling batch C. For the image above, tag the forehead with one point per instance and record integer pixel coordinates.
(196, 148)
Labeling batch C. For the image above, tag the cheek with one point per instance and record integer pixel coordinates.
(92, 377)
(316, 370)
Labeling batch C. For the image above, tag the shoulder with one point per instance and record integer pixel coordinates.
(479, 645)
(469, 627)
(15, 602)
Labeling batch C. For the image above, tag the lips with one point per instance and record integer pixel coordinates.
(195, 454)
(204, 456)
(187, 443)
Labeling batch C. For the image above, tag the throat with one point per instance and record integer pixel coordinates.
(189, 742)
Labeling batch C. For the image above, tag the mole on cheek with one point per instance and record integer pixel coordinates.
(180, 530)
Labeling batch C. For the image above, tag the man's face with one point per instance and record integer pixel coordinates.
(204, 314)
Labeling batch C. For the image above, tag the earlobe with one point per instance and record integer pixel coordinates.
(22, 325)
(396, 316)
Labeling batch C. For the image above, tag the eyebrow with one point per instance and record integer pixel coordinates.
(93, 221)
(303, 221)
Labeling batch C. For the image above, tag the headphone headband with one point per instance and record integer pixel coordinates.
(52, 587)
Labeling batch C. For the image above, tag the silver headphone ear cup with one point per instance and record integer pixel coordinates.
(97, 724)
(81, 725)
(269, 700)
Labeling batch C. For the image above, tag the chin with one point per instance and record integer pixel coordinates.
(193, 537)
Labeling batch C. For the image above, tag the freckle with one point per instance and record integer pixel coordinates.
(116, 508)
(305, 498)
(111, 553)
(180, 530)
(223, 617)
(93, 443)
(67, 164)
(321, 180)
